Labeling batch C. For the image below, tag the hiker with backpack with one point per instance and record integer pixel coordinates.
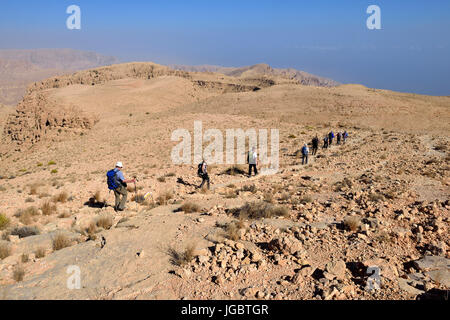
(330, 138)
(345, 136)
(118, 184)
(203, 173)
(315, 145)
(339, 136)
(252, 160)
(305, 153)
(325, 142)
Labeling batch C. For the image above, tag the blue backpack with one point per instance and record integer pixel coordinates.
(113, 184)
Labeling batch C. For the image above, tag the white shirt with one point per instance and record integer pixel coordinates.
(253, 157)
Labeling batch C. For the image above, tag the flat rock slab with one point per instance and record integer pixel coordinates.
(404, 284)
(432, 263)
(441, 276)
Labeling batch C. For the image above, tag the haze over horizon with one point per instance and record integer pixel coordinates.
(409, 54)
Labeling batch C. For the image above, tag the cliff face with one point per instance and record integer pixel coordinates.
(37, 117)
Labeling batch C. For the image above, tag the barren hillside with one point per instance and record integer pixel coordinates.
(307, 232)
(263, 70)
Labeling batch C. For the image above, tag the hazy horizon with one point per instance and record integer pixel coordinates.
(409, 54)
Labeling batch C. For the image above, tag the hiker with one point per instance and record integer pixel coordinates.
(330, 138)
(315, 145)
(325, 142)
(339, 136)
(252, 160)
(118, 183)
(345, 136)
(305, 153)
(203, 173)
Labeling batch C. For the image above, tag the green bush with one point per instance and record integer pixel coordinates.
(4, 221)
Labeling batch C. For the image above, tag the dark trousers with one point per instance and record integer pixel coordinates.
(314, 150)
(205, 178)
(250, 166)
(304, 159)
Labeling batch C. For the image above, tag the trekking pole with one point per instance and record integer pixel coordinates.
(135, 193)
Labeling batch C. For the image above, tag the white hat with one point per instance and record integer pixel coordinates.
(119, 164)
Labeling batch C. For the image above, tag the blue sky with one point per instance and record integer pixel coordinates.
(324, 37)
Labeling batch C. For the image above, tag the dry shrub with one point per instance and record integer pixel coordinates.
(164, 197)
(65, 214)
(34, 189)
(182, 258)
(231, 194)
(26, 215)
(105, 222)
(24, 232)
(352, 223)
(48, 208)
(251, 188)
(4, 221)
(260, 210)
(24, 258)
(60, 241)
(340, 185)
(233, 229)
(139, 198)
(91, 230)
(162, 179)
(40, 252)
(375, 197)
(18, 273)
(383, 236)
(190, 207)
(306, 199)
(61, 197)
(5, 250)
(285, 196)
(277, 188)
(31, 211)
(268, 197)
(98, 197)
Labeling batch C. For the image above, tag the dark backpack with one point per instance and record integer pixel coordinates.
(113, 183)
(200, 169)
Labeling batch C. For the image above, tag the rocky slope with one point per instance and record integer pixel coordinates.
(307, 232)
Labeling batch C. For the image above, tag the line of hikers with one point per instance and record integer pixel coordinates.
(327, 142)
(118, 183)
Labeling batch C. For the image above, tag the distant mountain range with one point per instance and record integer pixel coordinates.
(19, 68)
